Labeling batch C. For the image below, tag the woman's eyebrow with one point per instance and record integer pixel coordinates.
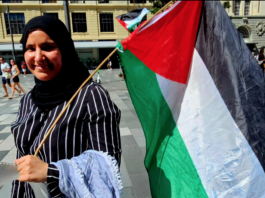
(29, 45)
(48, 43)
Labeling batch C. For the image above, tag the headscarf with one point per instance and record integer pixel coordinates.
(48, 94)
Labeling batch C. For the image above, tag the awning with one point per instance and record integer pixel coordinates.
(78, 45)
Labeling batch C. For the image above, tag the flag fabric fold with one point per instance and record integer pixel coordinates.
(199, 95)
(131, 20)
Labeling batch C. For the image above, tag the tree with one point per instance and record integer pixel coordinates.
(158, 4)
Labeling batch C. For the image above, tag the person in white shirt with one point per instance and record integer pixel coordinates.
(6, 68)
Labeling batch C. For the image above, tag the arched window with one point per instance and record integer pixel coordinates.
(237, 7)
(243, 31)
(247, 6)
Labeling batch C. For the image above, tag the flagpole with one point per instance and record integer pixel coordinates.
(73, 97)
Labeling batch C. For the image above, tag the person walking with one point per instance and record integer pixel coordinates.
(24, 68)
(91, 122)
(261, 59)
(15, 72)
(109, 65)
(6, 75)
(94, 62)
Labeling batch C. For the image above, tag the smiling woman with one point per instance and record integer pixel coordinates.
(42, 55)
(91, 122)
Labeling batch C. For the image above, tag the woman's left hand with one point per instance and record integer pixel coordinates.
(13, 77)
(31, 169)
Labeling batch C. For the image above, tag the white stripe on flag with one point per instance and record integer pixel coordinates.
(222, 156)
(174, 92)
(137, 19)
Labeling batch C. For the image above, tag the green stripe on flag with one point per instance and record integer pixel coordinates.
(170, 167)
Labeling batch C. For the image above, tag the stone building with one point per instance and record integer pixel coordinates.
(94, 29)
(249, 19)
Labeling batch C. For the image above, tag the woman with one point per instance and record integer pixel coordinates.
(261, 59)
(15, 72)
(90, 122)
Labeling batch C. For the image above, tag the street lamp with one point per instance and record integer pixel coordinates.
(66, 15)
(10, 29)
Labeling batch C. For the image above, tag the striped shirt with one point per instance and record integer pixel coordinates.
(90, 122)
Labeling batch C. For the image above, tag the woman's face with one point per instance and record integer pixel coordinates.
(12, 62)
(42, 56)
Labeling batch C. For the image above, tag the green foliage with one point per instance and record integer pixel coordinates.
(158, 4)
(227, 4)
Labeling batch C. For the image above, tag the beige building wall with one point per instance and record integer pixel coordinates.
(91, 8)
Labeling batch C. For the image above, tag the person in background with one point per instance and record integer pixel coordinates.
(15, 72)
(109, 65)
(88, 63)
(94, 62)
(24, 70)
(261, 59)
(6, 68)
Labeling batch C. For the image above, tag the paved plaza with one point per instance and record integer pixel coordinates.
(134, 175)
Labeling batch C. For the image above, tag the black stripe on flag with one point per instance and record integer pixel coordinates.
(235, 72)
(130, 15)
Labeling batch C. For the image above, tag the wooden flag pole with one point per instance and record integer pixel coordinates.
(73, 97)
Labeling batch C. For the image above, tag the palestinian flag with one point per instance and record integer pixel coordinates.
(200, 97)
(131, 20)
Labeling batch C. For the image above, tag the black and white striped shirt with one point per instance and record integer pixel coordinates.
(90, 122)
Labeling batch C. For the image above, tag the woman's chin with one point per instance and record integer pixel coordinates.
(43, 76)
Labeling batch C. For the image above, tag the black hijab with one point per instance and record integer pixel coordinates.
(48, 94)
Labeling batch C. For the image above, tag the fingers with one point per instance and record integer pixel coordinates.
(21, 160)
(24, 178)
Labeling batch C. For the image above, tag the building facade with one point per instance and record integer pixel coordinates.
(248, 18)
(94, 29)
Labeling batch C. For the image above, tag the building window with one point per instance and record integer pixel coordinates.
(106, 22)
(77, 1)
(103, 1)
(11, 1)
(137, 1)
(48, 1)
(17, 21)
(54, 15)
(247, 6)
(79, 22)
(244, 32)
(237, 7)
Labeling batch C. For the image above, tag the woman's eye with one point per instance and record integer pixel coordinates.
(30, 49)
(47, 48)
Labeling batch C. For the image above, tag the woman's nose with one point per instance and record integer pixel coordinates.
(39, 57)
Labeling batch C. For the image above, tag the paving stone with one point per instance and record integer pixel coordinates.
(3, 127)
(126, 181)
(139, 182)
(137, 132)
(128, 193)
(3, 154)
(132, 155)
(3, 136)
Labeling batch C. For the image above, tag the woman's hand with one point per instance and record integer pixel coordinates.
(31, 169)
(13, 77)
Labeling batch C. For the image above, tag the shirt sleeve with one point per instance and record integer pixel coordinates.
(53, 181)
(18, 188)
(103, 123)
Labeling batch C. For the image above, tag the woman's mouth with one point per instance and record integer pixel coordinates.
(42, 67)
